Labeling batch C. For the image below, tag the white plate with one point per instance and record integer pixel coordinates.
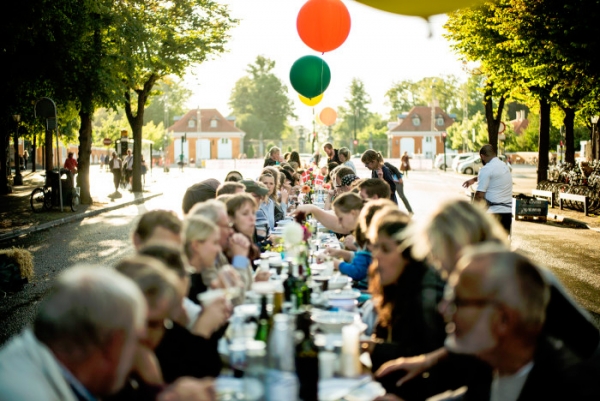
(229, 388)
(337, 388)
(342, 294)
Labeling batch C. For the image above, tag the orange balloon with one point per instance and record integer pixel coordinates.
(323, 25)
(328, 116)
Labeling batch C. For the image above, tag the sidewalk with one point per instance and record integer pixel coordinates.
(17, 218)
(525, 180)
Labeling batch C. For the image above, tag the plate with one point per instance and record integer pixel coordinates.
(231, 388)
(247, 310)
(342, 294)
(337, 388)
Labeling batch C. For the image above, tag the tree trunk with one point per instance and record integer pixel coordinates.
(543, 141)
(34, 153)
(4, 135)
(493, 122)
(568, 122)
(85, 151)
(136, 123)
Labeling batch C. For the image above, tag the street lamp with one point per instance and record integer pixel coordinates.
(356, 114)
(595, 144)
(18, 180)
(444, 134)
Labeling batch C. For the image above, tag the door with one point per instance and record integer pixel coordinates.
(179, 151)
(224, 149)
(407, 145)
(202, 149)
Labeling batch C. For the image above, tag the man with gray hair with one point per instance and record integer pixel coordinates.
(495, 306)
(82, 342)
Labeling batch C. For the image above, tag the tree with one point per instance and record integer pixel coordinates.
(168, 101)
(475, 36)
(260, 101)
(404, 95)
(162, 39)
(460, 136)
(355, 115)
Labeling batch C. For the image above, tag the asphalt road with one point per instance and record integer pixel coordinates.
(105, 239)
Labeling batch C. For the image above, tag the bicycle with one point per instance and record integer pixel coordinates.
(44, 198)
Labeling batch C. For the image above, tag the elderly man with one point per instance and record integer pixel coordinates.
(494, 186)
(496, 309)
(82, 342)
(157, 226)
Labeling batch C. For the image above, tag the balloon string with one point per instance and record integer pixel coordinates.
(429, 27)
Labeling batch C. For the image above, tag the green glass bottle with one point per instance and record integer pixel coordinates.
(264, 324)
(307, 361)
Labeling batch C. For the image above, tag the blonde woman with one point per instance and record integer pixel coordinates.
(374, 162)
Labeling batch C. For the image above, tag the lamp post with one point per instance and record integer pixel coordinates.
(595, 144)
(18, 179)
(444, 134)
(301, 139)
(183, 139)
(354, 142)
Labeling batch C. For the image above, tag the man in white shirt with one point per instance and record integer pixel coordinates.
(494, 186)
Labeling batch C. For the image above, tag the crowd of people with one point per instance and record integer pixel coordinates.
(455, 313)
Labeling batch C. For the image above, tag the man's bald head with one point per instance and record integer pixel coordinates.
(488, 151)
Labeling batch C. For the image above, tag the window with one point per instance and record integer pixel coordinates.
(191, 123)
(439, 120)
(416, 120)
(224, 140)
(427, 139)
(213, 123)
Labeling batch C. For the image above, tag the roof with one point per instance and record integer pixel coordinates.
(519, 125)
(206, 116)
(424, 115)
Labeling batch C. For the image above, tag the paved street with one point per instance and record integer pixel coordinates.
(103, 239)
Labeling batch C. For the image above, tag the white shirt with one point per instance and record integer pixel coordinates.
(508, 388)
(495, 180)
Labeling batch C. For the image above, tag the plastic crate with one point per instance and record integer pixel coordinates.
(530, 207)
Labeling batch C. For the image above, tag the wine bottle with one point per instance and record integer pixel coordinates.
(262, 332)
(289, 285)
(307, 361)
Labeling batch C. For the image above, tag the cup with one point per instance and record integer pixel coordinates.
(323, 281)
(327, 362)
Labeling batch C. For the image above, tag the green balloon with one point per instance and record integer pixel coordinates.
(310, 76)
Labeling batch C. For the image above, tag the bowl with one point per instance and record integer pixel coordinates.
(342, 294)
(338, 282)
(332, 322)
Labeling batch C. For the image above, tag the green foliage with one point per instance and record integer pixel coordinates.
(260, 101)
(250, 152)
(353, 117)
(168, 101)
(460, 136)
(404, 95)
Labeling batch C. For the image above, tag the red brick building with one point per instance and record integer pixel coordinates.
(207, 135)
(419, 132)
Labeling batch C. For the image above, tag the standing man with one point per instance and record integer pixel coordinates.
(115, 164)
(25, 157)
(332, 154)
(128, 166)
(405, 163)
(494, 186)
(82, 342)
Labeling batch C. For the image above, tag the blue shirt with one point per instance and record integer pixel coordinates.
(268, 212)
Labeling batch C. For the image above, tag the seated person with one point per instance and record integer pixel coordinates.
(199, 192)
(230, 187)
(374, 188)
(157, 226)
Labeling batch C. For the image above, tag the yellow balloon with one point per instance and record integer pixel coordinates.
(423, 9)
(311, 102)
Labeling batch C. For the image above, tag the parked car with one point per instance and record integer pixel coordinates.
(473, 164)
(439, 160)
(461, 157)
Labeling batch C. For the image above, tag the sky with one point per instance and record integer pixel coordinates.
(381, 49)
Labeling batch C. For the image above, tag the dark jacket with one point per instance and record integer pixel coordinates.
(387, 176)
(416, 328)
(557, 374)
